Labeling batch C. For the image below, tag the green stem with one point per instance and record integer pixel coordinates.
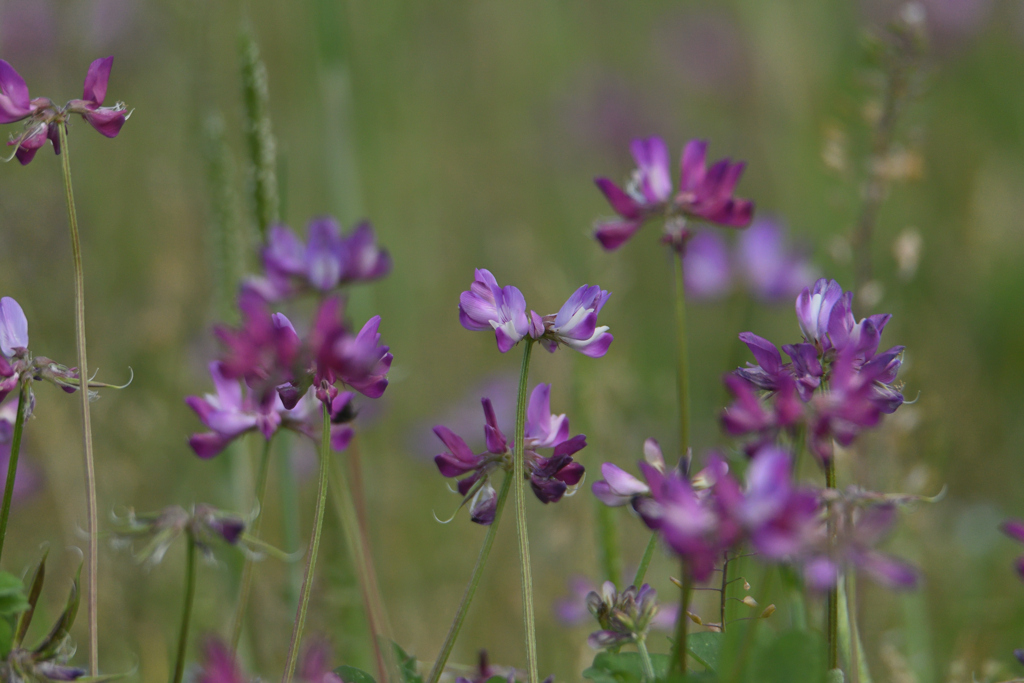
(722, 591)
(683, 364)
(186, 615)
(314, 547)
(12, 463)
(608, 542)
(859, 672)
(645, 661)
(83, 374)
(474, 581)
(645, 561)
(254, 530)
(359, 550)
(288, 490)
(833, 593)
(519, 484)
(682, 623)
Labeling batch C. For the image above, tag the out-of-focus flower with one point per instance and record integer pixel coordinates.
(234, 411)
(707, 272)
(219, 664)
(44, 117)
(204, 525)
(328, 260)
(857, 529)
(486, 306)
(573, 610)
(766, 418)
(1014, 528)
(315, 664)
(624, 617)
(485, 672)
(704, 193)
(772, 270)
(263, 351)
(550, 477)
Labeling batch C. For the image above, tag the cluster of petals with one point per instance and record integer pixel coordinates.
(43, 117)
(624, 617)
(550, 476)
(235, 410)
(704, 193)
(838, 352)
(574, 609)
(762, 263)
(327, 260)
(488, 306)
(156, 532)
(270, 356)
(703, 517)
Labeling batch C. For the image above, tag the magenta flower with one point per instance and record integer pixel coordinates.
(44, 116)
(315, 665)
(704, 194)
(550, 477)
(263, 351)
(359, 360)
(486, 306)
(327, 261)
(219, 665)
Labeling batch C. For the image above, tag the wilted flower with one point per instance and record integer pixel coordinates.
(487, 306)
(624, 617)
(44, 116)
(704, 193)
(205, 525)
(550, 477)
(328, 260)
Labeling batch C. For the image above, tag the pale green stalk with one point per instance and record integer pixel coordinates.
(680, 651)
(254, 530)
(645, 661)
(186, 614)
(83, 374)
(682, 360)
(645, 561)
(474, 582)
(832, 631)
(519, 476)
(314, 548)
(12, 462)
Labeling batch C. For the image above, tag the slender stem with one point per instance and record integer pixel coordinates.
(519, 476)
(12, 462)
(288, 490)
(608, 542)
(683, 364)
(249, 566)
(832, 632)
(645, 561)
(682, 623)
(186, 614)
(359, 550)
(474, 581)
(645, 661)
(83, 374)
(314, 547)
(722, 592)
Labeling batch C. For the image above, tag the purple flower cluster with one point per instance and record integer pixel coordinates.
(285, 375)
(836, 384)
(549, 476)
(328, 260)
(624, 617)
(704, 193)
(42, 117)
(762, 262)
(487, 306)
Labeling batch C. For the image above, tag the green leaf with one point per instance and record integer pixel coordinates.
(705, 647)
(792, 656)
(33, 597)
(6, 637)
(496, 679)
(623, 667)
(63, 624)
(12, 595)
(350, 674)
(406, 665)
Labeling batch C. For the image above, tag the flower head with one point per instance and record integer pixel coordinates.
(624, 617)
(575, 324)
(204, 525)
(486, 306)
(704, 193)
(44, 117)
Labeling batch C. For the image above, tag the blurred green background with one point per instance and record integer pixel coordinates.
(469, 133)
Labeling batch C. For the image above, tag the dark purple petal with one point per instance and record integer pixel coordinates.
(764, 351)
(622, 203)
(107, 121)
(613, 234)
(209, 444)
(484, 505)
(14, 99)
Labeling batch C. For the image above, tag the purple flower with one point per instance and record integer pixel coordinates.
(574, 610)
(814, 311)
(44, 117)
(231, 412)
(219, 665)
(486, 306)
(1014, 528)
(550, 477)
(705, 194)
(575, 324)
(763, 418)
(620, 487)
(327, 261)
(857, 530)
(706, 269)
(771, 269)
(263, 351)
(359, 360)
(314, 666)
(13, 328)
(624, 617)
